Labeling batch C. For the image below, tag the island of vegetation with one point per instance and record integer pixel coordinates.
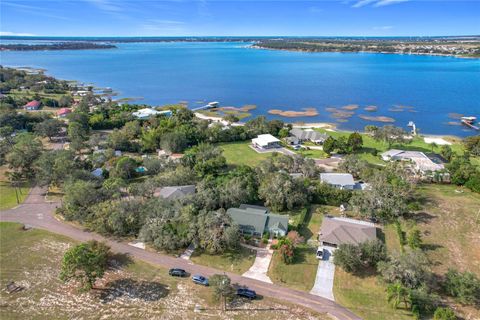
(111, 168)
(73, 45)
(446, 46)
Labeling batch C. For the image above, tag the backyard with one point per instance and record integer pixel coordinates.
(240, 153)
(130, 289)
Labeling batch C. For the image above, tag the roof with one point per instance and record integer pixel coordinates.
(175, 192)
(421, 160)
(64, 111)
(308, 134)
(338, 179)
(97, 172)
(276, 221)
(254, 208)
(248, 220)
(32, 104)
(148, 112)
(264, 139)
(346, 231)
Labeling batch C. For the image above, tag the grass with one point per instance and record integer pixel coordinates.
(8, 197)
(238, 261)
(302, 272)
(130, 290)
(372, 146)
(240, 153)
(312, 153)
(298, 275)
(365, 296)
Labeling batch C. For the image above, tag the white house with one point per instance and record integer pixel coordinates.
(148, 112)
(338, 180)
(420, 160)
(266, 141)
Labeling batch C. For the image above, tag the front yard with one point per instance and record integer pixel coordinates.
(232, 261)
(240, 153)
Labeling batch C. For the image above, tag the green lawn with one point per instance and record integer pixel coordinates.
(370, 146)
(130, 290)
(365, 296)
(240, 153)
(233, 261)
(298, 275)
(8, 198)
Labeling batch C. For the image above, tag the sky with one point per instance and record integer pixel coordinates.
(239, 17)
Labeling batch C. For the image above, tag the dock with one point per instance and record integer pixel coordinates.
(210, 105)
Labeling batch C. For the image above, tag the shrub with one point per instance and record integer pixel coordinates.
(463, 286)
(444, 314)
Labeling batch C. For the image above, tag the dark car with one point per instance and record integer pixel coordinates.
(247, 293)
(175, 272)
(200, 280)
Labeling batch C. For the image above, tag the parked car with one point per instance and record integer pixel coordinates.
(320, 253)
(198, 279)
(297, 147)
(247, 293)
(175, 272)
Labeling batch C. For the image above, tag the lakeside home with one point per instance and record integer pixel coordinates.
(266, 141)
(420, 160)
(299, 136)
(146, 113)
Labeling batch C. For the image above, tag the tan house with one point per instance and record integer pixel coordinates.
(336, 231)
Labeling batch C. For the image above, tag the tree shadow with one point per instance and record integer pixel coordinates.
(366, 272)
(422, 217)
(430, 247)
(133, 289)
(301, 254)
(119, 260)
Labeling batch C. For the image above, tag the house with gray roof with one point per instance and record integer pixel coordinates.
(338, 180)
(175, 192)
(336, 231)
(301, 135)
(421, 162)
(255, 220)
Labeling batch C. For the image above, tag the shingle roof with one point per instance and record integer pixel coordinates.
(340, 179)
(176, 192)
(248, 219)
(277, 221)
(349, 231)
(32, 104)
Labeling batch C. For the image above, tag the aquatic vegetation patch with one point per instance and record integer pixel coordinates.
(371, 108)
(377, 118)
(454, 115)
(307, 112)
(350, 107)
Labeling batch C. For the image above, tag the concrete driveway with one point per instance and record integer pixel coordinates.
(323, 286)
(259, 268)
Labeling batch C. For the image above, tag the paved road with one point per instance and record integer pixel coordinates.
(37, 213)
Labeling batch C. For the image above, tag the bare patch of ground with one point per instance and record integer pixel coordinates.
(307, 112)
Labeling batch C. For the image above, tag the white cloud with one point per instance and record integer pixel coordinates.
(18, 34)
(382, 3)
(376, 3)
(106, 5)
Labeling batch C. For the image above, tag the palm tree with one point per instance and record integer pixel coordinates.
(396, 294)
(433, 145)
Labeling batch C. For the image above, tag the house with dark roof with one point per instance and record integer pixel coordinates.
(300, 135)
(256, 220)
(32, 105)
(175, 192)
(336, 231)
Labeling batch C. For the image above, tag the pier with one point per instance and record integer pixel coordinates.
(469, 122)
(210, 105)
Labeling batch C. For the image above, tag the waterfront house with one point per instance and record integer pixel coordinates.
(336, 231)
(256, 220)
(338, 180)
(32, 105)
(146, 113)
(265, 141)
(421, 162)
(300, 135)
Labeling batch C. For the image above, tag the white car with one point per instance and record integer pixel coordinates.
(320, 253)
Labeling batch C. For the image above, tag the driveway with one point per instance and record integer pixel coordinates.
(323, 286)
(259, 268)
(39, 214)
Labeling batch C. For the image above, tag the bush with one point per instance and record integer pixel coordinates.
(348, 257)
(444, 314)
(465, 287)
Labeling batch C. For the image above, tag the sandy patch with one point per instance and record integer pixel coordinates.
(371, 108)
(350, 107)
(307, 112)
(438, 141)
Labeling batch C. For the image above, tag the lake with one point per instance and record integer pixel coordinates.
(424, 89)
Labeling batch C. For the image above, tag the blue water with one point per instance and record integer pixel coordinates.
(236, 75)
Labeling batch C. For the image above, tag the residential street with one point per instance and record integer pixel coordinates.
(39, 214)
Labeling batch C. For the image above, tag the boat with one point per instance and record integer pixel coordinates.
(470, 122)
